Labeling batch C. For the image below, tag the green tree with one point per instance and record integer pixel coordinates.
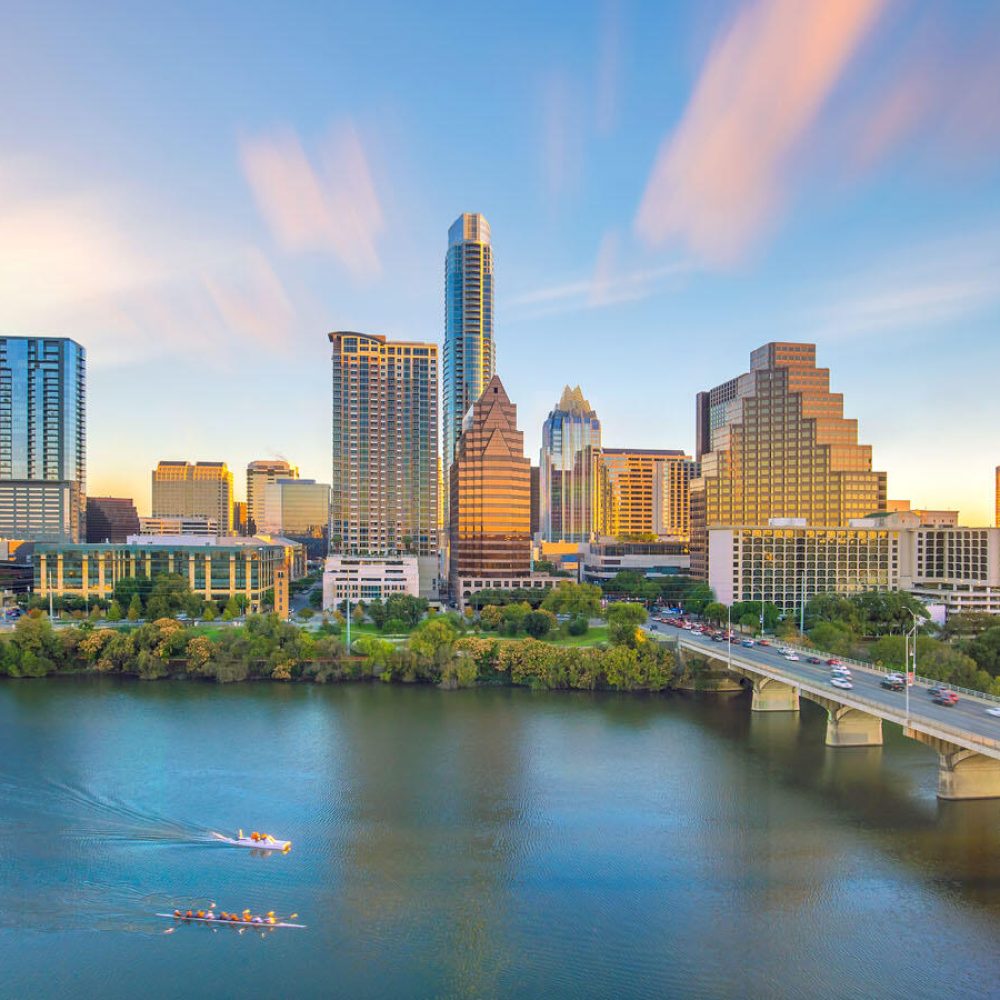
(135, 608)
(491, 616)
(984, 649)
(114, 612)
(433, 638)
(538, 623)
(570, 598)
(832, 638)
(698, 596)
(624, 620)
(578, 626)
(210, 612)
(513, 617)
(406, 608)
(715, 612)
(378, 613)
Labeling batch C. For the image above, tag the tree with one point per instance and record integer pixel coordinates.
(831, 638)
(135, 608)
(378, 613)
(538, 623)
(624, 620)
(306, 613)
(396, 626)
(513, 617)
(984, 649)
(889, 612)
(491, 617)
(114, 612)
(406, 608)
(232, 608)
(715, 612)
(578, 626)
(128, 586)
(433, 638)
(570, 598)
(698, 596)
(968, 623)
(357, 614)
(209, 614)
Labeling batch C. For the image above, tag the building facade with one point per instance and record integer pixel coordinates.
(570, 490)
(469, 354)
(299, 509)
(384, 489)
(111, 519)
(204, 489)
(366, 578)
(43, 440)
(603, 561)
(774, 443)
(646, 492)
(214, 570)
(259, 473)
(203, 527)
(490, 497)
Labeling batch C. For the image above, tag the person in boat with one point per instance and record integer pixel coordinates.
(189, 914)
(270, 917)
(177, 913)
(201, 914)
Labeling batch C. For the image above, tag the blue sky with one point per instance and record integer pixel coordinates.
(198, 193)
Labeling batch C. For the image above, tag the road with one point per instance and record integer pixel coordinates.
(968, 715)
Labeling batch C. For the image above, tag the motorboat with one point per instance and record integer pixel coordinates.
(255, 841)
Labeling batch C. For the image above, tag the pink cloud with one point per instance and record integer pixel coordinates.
(331, 206)
(562, 135)
(720, 178)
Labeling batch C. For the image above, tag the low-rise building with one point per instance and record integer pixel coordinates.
(604, 560)
(180, 525)
(368, 578)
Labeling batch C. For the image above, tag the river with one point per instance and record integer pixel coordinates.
(488, 843)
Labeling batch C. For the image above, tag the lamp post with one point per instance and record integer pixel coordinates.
(906, 675)
(729, 633)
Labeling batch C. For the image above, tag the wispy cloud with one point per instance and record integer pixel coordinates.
(609, 66)
(562, 135)
(720, 178)
(330, 205)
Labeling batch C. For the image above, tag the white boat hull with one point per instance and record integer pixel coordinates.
(217, 921)
(256, 845)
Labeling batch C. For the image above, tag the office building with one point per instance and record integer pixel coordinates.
(536, 501)
(240, 524)
(603, 561)
(570, 487)
(259, 473)
(203, 527)
(490, 499)
(204, 489)
(214, 569)
(298, 509)
(368, 578)
(774, 443)
(111, 519)
(646, 492)
(469, 355)
(43, 442)
(384, 487)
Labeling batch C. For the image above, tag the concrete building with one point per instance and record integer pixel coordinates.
(535, 491)
(202, 527)
(240, 524)
(204, 489)
(469, 353)
(368, 578)
(281, 591)
(216, 570)
(259, 473)
(570, 483)
(604, 560)
(111, 519)
(774, 442)
(298, 509)
(647, 492)
(43, 440)
(385, 446)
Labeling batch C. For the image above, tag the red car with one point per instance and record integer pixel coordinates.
(763, 642)
(833, 662)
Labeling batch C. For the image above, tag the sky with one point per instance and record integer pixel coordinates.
(198, 193)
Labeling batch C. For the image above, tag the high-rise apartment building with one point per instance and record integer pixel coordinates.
(490, 498)
(570, 490)
(384, 490)
(646, 492)
(469, 356)
(204, 489)
(774, 443)
(111, 519)
(259, 474)
(43, 442)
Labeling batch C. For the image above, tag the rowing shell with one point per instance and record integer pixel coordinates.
(257, 845)
(219, 921)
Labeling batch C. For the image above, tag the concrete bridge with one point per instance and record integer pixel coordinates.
(965, 737)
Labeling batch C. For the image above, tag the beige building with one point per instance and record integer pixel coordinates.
(204, 489)
(647, 492)
(206, 526)
(259, 474)
(368, 578)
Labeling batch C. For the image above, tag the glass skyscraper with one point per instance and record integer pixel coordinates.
(384, 486)
(469, 356)
(570, 471)
(774, 443)
(43, 443)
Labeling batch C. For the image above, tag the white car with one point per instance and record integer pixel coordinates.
(791, 656)
(994, 711)
(840, 671)
(841, 682)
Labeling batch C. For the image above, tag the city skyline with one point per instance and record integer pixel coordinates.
(875, 235)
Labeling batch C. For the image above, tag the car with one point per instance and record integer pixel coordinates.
(748, 643)
(841, 682)
(892, 683)
(995, 711)
(792, 656)
(948, 698)
(813, 659)
(833, 662)
(936, 690)
(763, 642)
(655, 627)
(840, 671)
(718, 638)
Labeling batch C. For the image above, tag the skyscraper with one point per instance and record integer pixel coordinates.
(298, 509)
(773, 443)
(647, 492)
(490, 498)
(469, 356)
(570, 471)
(259, 474)
(43, 442)
(204, 489)
(111, 519)
(384, 490)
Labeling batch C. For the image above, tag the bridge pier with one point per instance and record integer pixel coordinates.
(774, 696)
(965, 774)
(849, 727)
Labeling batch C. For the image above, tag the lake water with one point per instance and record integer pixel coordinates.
(478, 844)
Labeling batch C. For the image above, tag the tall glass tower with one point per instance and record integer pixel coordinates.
(43, 444)
(570, 471)
(469, 355)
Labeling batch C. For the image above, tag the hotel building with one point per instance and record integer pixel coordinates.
(43, 443)
(204, 489)
(774, 443)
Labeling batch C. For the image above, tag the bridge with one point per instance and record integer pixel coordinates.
(965, 737)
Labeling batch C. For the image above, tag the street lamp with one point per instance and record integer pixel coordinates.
(729, 633)
(906, 675)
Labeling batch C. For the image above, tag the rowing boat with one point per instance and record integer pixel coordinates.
(263, 844)
(219, 921)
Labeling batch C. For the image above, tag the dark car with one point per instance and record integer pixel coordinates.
(718, 638)
(813, 659)
(892, 684)
(948, 698)
(936, 690)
